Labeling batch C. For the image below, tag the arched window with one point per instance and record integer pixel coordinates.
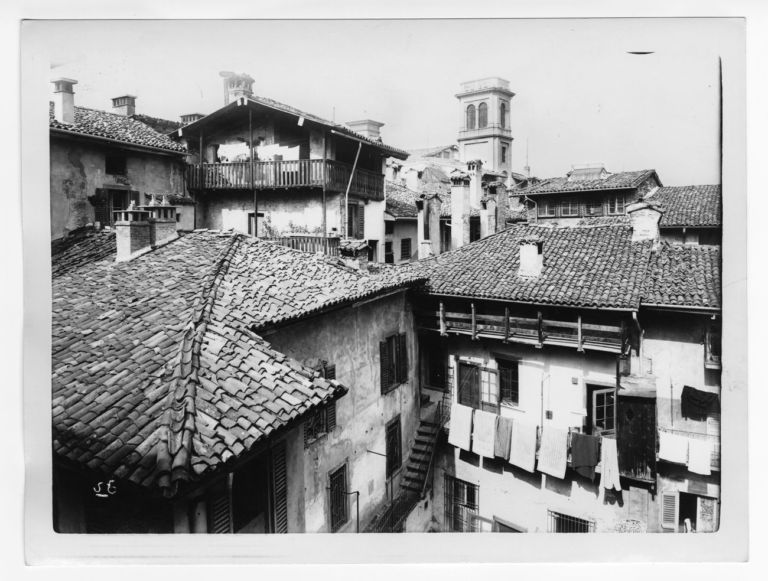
(482, 115)
(503, 114)
(471, 117)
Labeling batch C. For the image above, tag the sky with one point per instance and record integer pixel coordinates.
(580, 97)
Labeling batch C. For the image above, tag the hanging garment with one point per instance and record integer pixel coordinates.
(503, 438)
(484, 433)
(697, 404)
(553, 455)
(609, 465)
(585, 454)
(700, 456)
(673, 448)
(460, 431)
(522, 452)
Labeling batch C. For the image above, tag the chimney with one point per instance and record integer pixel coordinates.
(531, 256)
(64, 100)
(162, 222)
(368, 127)
(460, 185)
(132, 229)
(644, 216)
(125, 105)
(428, 208)
(191, 118)
(236, 86)
(475, 169)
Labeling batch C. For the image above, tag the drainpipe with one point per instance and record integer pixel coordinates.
(346, 195)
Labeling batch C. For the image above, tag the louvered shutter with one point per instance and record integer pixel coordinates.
(384, 357)
(402, 359)
(670, 510)
(280, 488)
(219, 508)
(330, 416)
(361, 221)
(330, 371)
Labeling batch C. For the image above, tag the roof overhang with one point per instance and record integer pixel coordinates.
(63, 133)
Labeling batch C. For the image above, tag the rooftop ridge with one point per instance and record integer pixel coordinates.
(175, 444)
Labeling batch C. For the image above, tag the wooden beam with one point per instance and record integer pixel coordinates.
(506, 324)
(580, 348)
(474, 323)
(442, 319)
(541, 329)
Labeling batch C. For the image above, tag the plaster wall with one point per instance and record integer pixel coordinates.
(404, 229)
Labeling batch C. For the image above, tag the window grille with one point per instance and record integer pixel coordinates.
(461, 502)
(405, 249)
(565, 523)
(393, 446)
(339, 512)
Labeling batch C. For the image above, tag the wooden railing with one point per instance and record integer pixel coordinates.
(285, 174)
(313, 244)
(536, 331)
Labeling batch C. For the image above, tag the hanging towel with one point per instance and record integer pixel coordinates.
(700, 456)
(585, 454)
(503, 438)
(522, 452)
(460, 430)
(673, 448)
(553, 455)
(697, 404)
(609, 464)
(484, 433)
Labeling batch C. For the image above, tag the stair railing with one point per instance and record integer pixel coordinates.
(438, 420)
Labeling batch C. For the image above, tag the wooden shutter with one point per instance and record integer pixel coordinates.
(670, 510)
(361, 221)
(330, 371)
(330, 416)
(219, 508)
(402, 359)
(384, 358)
(280, 488)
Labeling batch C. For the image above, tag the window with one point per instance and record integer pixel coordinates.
(339, 512)
(569, 208)
(594, 208)
(503, 115)
(474, 228)
(564, 523)
(461, 503)
(503, 154)
(393, 361)
(356, 221)
(389, 255)
(107, 202)
(436, 365)
(482, 115)
(405, 249)
(616, 204)
(393, 446)
(115, 165)
(508, 382)
(546, 209)
(389, 227)
(601, 410)
(478, 387)
(712, 351)
(471, 117)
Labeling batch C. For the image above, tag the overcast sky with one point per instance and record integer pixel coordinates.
(580, 98)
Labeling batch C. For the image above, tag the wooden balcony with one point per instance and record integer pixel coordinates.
(302, 173)
(538, 332)
(312, 244)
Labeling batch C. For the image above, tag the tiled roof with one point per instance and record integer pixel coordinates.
(128, 130)
(597, 266)
(431, 151)
(78, 250)
(616, 181)
(684, 276)
(690, 206)
(158, 376)
(164, 126)
(401, 202)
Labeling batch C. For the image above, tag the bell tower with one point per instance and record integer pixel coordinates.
(485, 132)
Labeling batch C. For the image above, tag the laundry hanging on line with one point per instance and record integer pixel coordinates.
(460, 430)
(585, 453)
(503, 438)
(484, 433)
(553, 455)
(697, 404)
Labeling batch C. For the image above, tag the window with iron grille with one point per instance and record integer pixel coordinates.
(338, 490)
(569, 208)
(393, 360)
(405, 249)
(461, 503)
(394, 446)
(565, 523)
(616, 204)
(509, 387)
(389, 255)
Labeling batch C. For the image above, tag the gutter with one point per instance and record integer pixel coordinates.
(681, 308)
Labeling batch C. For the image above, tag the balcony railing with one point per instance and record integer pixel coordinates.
(301, 173)
(313, 244)
(538, 331)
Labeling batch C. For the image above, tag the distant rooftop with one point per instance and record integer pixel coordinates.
(484, 84)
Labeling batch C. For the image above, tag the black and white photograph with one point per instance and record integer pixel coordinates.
(367, 277)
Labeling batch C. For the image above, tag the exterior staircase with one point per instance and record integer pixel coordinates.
(418, 466)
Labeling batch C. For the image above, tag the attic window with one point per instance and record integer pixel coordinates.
(616, 204)
(115, 165)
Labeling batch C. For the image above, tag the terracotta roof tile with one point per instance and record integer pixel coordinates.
(684, 276)
(690, 206)
(401, 202)
(615, 181)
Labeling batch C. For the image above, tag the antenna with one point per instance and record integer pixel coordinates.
(527, 167)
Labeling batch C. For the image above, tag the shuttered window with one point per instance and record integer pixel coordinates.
(670, 510)
(219, 508)
(394, 446)
(280, 488)
(361, 222)
(338, 492)
(389, 255)
(393, 359)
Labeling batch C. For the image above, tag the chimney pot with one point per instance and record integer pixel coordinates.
(64, 100)
(368, 127)
(191, 118)
(132, 229)
(124, 105)
(531, 256)
(645, 217)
